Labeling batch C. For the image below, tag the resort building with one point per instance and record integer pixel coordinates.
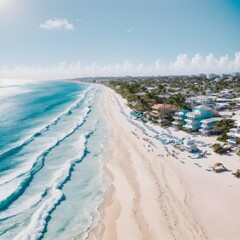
(234, 135)
(179, 118)
(208, 124)
(212, 75)
(194, 118)
(163, 111)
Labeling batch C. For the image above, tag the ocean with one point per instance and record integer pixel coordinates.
(52, 145)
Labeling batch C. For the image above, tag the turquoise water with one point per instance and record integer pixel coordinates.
(52, 137)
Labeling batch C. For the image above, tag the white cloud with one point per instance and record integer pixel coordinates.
(182, 62)
(57, 24)
(182, 65)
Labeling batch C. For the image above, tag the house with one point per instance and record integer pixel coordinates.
(223, 100)
(225, 94)
(133, 103)
(194, 118)
(234, 135)
(165, 95)
(200, 100)
(163, 111)
(179, 118)
(208, 124)
(140, 94)
(221, 106)
(152, 88)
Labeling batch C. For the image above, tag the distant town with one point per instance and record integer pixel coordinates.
(206, 104)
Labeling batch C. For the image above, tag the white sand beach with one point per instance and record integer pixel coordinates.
(155, 195)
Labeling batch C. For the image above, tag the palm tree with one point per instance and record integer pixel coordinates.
(161, 89)
(224, 125)
(232, 105)
(178, 100)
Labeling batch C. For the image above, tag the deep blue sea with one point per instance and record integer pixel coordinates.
(52, 138)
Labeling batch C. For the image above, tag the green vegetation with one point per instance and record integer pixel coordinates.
(166, 123)
(172, 89)
(182, 92)
(141, 95)
(178, 100)
(223, 138)
(218, 148)
(223, 127)
(232, 105)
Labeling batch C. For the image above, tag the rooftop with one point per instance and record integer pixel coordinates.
(160, 106)
(140, 94)
(208, 120)
(182, 112)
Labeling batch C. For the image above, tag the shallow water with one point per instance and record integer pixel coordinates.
(52, 137)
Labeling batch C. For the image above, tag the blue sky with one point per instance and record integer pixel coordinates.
(160, 29)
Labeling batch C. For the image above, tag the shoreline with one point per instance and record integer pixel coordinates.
(98, 231)
(128, 213)
(153, 194)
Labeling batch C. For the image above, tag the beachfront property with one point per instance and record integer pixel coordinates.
(179, 118)
(163, 111)
(200, 100)
(194, 118)
(225, 94)
(208, 124)
(234, 135)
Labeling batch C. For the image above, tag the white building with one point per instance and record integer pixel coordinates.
(203, 75)
(212, 75)
(236, 74)
(234, 135)
(208, 124)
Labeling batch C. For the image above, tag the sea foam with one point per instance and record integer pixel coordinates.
(44, 128)
(40, 179)
(39, 219)
(34, 166)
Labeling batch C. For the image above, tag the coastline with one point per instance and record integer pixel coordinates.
(141, 203)
(154, 194)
